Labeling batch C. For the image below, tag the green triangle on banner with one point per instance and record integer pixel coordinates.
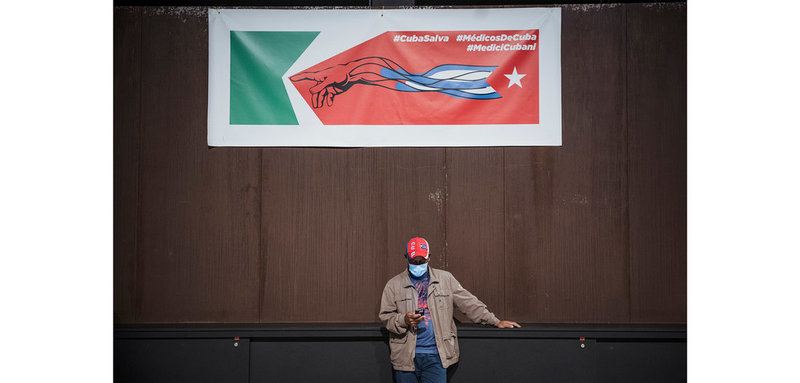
(258, 61)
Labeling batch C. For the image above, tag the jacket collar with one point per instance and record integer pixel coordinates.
(433, 275)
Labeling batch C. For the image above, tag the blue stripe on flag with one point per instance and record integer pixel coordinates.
(450, 86)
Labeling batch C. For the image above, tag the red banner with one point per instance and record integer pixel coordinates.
(428, 78)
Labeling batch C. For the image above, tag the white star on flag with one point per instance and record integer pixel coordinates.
(514, 78)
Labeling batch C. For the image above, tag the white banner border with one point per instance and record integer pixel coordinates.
(343, 29)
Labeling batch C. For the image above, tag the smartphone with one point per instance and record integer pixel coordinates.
(419, 311)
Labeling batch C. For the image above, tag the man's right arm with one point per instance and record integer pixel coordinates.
(393, 320)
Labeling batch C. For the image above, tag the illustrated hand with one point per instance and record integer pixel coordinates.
(507, 324)
(413, 319)
(330, 82)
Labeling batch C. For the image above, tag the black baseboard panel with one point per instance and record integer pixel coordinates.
(360, 353)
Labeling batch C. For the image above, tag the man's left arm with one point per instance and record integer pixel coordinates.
(474, 309)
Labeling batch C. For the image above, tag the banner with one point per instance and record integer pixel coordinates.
(401, 77)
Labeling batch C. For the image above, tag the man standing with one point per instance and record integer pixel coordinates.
(417, 309)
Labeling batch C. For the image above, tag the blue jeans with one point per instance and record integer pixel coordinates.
(428, 370)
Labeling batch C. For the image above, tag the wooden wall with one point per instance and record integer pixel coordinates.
(593, 231)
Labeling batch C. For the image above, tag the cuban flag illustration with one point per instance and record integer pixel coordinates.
(462, 81)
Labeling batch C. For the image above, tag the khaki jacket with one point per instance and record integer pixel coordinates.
(444, 292)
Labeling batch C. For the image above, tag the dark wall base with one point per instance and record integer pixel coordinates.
(361, 354)
(180, 360)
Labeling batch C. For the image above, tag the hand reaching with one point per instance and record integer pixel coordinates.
(330, 82)
(337, 79)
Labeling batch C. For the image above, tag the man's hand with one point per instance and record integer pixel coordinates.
(507, 324)
(335, 80)
(330, 82)
(414, 319)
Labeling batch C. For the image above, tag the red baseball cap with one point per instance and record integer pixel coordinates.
(417, 247)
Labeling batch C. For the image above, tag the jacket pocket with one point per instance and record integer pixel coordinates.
(404, 305)
(450, 346)
(397, 338)
(443, 299)
(397, 348)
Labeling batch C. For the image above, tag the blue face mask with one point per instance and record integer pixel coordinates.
(418, 270)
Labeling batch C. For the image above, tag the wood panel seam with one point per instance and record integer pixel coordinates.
(444, 213)
(137, 272)
(261, 271)
(627, 167)
(505, 280)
